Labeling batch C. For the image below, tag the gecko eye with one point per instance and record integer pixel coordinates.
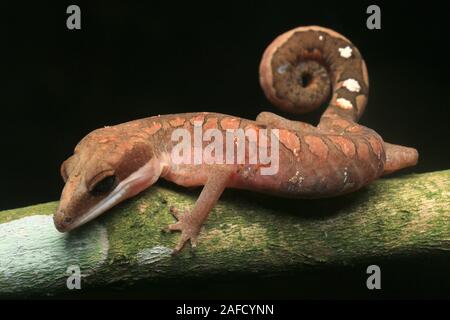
(104, 186)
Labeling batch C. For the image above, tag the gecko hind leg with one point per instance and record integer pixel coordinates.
(399, 157)
(190, 223)
(274, 120)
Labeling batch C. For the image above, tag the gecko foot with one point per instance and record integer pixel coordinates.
(189, 228)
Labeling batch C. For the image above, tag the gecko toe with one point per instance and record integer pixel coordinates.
(194, 241)
(177, 214)
(189, 229)
(183, 240)
(175, 226)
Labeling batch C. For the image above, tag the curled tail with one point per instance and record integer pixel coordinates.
(309, 66)
(302, 68)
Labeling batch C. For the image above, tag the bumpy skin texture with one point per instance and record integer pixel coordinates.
(300, 70)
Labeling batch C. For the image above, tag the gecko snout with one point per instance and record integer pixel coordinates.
(61, 221)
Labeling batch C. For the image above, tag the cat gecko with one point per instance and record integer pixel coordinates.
(300, 70)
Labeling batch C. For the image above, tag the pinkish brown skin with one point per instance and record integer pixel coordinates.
(338, 156)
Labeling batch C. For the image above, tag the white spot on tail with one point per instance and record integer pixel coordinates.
(352, 85)
(345, 175)
(345, 52)
(320, 38)
(283, 68)
(344, 104)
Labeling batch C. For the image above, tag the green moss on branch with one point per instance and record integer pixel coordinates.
(245, 233)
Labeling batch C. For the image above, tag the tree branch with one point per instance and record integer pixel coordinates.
(246, 233)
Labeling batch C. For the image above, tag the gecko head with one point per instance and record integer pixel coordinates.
(107, 167)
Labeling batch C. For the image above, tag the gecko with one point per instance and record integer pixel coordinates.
(300, 70)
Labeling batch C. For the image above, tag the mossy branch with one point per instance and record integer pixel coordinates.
(246, 233)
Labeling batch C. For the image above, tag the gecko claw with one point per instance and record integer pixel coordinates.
(184, 239)
(175, 212)
(189, 229)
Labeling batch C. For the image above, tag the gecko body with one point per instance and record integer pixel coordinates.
(300, 70)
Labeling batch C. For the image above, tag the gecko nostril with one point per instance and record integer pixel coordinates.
(67, 220)
(60, 220)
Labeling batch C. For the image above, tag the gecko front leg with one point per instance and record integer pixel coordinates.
(190, 223)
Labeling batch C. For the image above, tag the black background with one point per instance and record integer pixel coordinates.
(137, 59)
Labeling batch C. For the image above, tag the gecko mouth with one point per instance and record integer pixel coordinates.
(135, 183)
